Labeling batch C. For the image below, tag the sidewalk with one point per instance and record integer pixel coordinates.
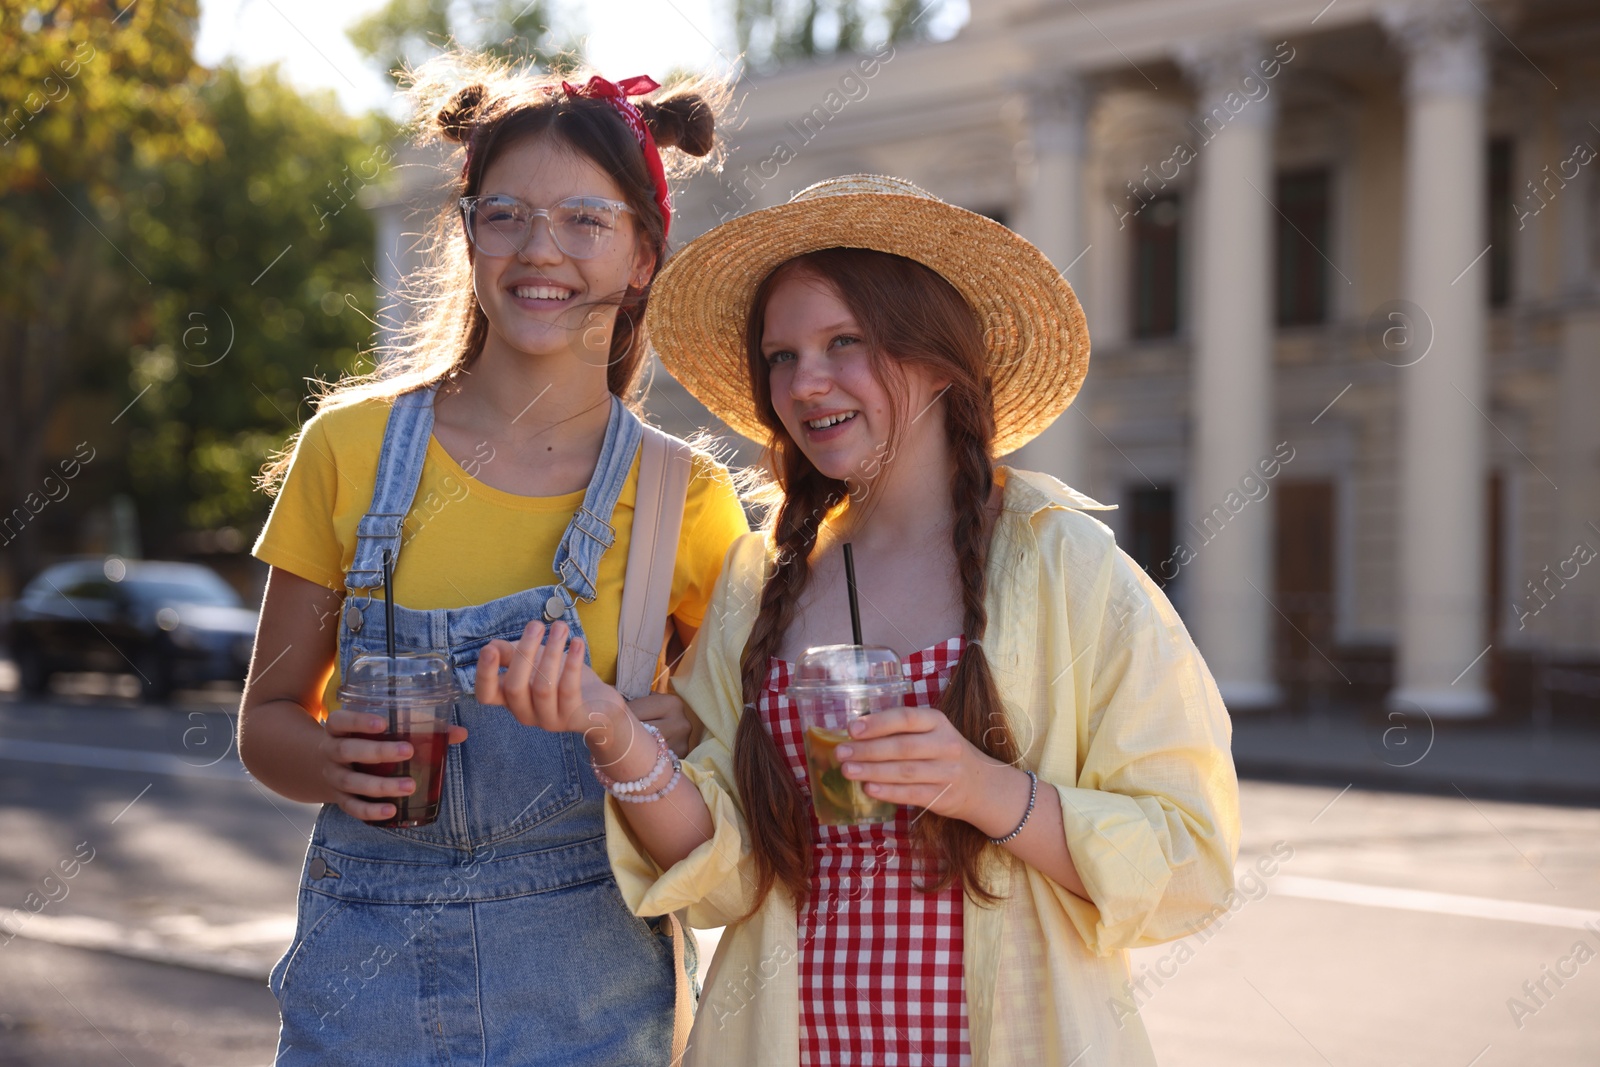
(1342, 746)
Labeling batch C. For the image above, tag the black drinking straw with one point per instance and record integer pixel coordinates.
(388, 628)
(850, 580)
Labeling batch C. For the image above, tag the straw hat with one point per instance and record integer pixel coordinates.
(1034, 328)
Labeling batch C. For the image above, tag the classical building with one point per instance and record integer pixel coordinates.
(1342, 272)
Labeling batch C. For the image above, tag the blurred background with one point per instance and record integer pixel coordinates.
(1341, 264)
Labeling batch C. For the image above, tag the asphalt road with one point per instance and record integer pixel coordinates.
(1377, 929)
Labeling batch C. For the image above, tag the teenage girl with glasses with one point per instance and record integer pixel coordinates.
(494, 460)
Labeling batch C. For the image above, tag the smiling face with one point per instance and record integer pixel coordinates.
(825, 389)
(542, 302)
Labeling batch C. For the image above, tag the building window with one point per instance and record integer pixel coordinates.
(1302, 244)
(1500, 213)
(1303, 589)
(1150, 533)
(1157, 251)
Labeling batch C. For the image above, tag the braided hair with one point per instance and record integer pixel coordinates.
(910, 317)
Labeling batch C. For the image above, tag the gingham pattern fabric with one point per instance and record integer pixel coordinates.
(881, 978)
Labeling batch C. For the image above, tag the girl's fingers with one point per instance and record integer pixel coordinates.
(458, 734)
(897, 721)
(366, 810)
(652, 708)
(545, 679)
(521, 659)
(570, 689)
(488, 689)
(342, 723)
(570, 684)
(370, 785)
(542, 676)
(916, 796)
(907, 746)
(346, 750)
(896, 772)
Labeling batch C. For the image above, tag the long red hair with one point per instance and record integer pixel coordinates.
(910, 317)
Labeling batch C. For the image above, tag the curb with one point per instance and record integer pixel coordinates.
(103, 935)
(1527, 791)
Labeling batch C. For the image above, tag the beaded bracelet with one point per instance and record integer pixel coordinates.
(677, 772)
(1033, 793)
(665, 758)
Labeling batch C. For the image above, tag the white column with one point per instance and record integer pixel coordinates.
(1577, 147)
(1051, 217)
(1575, 629)
(1444, 396)
(1231, 306)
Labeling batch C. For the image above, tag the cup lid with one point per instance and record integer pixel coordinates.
(855, 666)
(411, 675)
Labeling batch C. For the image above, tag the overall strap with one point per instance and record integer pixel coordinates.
(405, 447)
(665, 465)
(590, 533)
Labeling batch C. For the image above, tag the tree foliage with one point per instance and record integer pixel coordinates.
(774, 33)
(92, 90)
(263, 265)
(404, 33)
(182, 247)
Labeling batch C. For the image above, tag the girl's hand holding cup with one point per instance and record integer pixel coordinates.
(916, 756)
(359, 794)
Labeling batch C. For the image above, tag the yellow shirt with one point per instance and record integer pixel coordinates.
(465, 542)
(1116, 711)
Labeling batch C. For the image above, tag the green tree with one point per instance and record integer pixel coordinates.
(91, 89)
(262, 265)
(404, 33)
(773, 33)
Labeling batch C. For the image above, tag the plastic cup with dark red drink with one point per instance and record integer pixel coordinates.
(415, 692)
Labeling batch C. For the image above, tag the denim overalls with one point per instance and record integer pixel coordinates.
(496, 935)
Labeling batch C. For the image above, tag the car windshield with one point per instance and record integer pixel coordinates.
(201, 589)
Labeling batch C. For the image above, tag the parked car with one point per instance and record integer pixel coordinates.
(172, 624)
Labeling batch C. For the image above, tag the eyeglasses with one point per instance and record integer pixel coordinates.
(581, 226)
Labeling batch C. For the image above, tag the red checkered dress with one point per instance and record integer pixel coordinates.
(881, 979)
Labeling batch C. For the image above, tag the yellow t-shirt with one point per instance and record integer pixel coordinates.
(465, 542)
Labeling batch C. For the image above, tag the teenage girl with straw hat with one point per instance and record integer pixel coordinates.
(1063, 768)
(495, 461)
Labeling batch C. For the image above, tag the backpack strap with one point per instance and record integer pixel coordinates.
(665, 465)
(684, 1002)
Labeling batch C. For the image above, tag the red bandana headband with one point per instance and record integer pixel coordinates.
(616, 94)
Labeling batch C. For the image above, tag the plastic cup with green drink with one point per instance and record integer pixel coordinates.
(833, 686)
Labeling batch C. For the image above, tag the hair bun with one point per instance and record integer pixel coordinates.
(684, 121)
(457, 117)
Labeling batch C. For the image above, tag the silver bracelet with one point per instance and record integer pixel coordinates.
(1033, 794)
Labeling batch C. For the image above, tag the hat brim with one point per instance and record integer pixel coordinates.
(1034, 327)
